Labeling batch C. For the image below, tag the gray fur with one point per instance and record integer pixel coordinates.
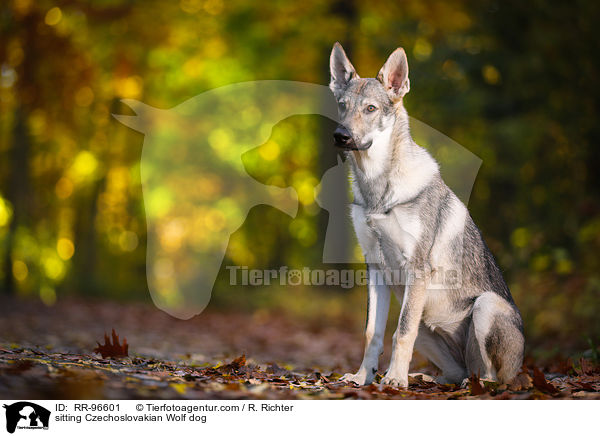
(407, 218)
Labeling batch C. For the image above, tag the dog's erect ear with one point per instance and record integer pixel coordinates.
(394, 75)
(341, 69)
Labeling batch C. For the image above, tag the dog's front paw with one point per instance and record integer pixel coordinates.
(465, 383)
(359, 378)
(395, 381)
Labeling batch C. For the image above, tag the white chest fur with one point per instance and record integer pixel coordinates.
(387, 239)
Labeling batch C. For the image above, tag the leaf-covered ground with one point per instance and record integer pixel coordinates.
(47, 353)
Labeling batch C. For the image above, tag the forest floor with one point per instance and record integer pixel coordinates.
(48, 353)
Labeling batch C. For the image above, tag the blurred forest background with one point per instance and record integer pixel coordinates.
(517, 83)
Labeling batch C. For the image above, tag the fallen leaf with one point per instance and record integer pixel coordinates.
(588, 367)
(235, 365)
(180, 388)
(114, 349)
(276, 370)
(585, 386)
(20, 366)
(564, 367)
(334, 376)
(522, 382)
(540, 382)
(475, 387)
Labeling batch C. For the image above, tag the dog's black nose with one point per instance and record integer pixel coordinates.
(342, 136)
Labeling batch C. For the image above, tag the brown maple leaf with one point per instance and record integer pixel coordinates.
(114, 349)
(540, 382)
(236, 365)
(475, 386)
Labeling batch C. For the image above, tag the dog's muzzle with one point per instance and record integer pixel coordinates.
(343, 139)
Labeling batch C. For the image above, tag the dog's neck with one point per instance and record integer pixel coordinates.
(394, 169)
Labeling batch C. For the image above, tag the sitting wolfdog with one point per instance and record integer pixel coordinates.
(407, 219)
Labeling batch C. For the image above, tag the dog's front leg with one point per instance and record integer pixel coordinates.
(377, 312)
(405, 335)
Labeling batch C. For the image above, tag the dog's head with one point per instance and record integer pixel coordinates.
(367, 107)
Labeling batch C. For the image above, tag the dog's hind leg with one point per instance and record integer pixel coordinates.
(435, 348)
(495, 340)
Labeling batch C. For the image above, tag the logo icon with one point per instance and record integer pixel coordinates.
(26, 415)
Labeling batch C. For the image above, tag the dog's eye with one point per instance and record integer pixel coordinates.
(371, 108)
